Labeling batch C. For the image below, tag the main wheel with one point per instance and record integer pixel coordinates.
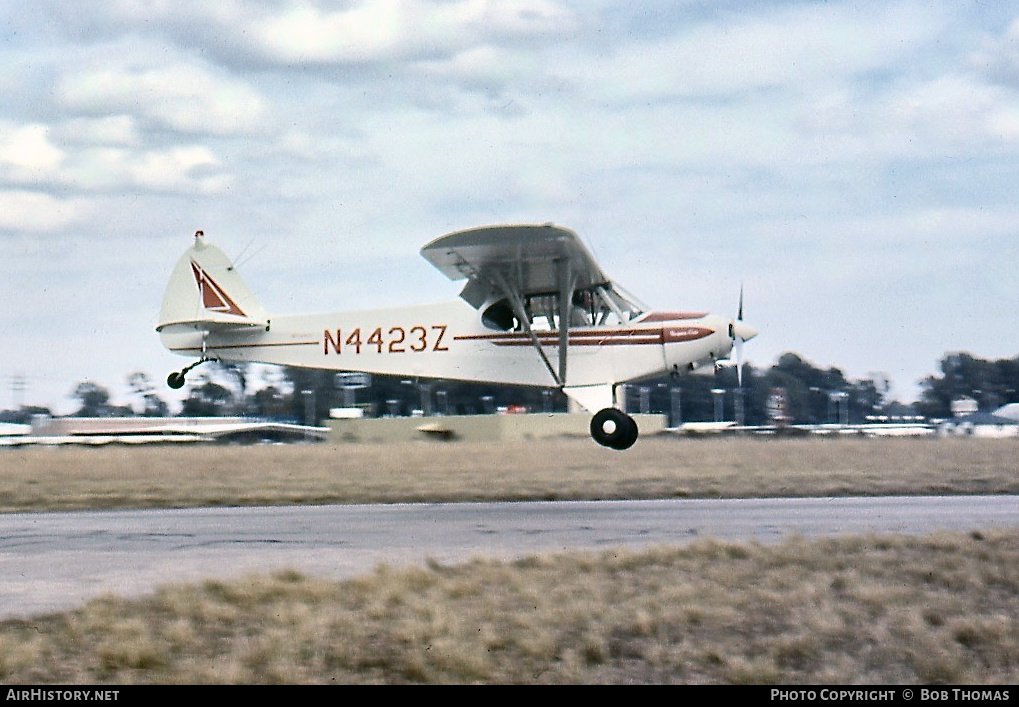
(613, 428)
(175, 380)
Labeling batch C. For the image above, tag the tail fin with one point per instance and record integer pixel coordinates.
(206, 294)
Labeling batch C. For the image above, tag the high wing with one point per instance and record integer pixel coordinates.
(518, 272)
(528, 258)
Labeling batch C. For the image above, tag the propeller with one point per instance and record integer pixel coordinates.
(740, 333)
(738, 340)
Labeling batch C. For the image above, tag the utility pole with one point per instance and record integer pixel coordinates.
(19, 383)
(309, 407)
(677, 407)
(719, 394)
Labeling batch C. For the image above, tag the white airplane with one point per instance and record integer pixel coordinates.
(536, 310)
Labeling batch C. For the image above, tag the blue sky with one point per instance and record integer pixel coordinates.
(852, 164)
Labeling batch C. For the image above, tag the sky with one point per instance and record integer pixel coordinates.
(852, 165)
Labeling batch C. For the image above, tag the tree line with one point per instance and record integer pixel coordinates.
(792, 390)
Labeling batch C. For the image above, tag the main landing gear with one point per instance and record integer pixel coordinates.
(613, 428)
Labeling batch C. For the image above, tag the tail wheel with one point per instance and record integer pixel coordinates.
(613, 428)
(176, 379)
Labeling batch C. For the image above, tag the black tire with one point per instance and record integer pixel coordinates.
(631, 434)
(613, 428)
(175, 380)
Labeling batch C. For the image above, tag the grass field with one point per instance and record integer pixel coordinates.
(940, 609)
(64, 478)
(881, 610)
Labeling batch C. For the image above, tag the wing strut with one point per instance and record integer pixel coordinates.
(518, 309)
(611, 304)
(566, 284)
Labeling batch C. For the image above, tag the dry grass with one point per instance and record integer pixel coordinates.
(171, 476)
(854, 610)
(941, 609)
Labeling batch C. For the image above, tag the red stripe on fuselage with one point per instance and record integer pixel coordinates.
(614, 337)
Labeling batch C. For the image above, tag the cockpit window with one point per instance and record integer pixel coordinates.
(596, 306)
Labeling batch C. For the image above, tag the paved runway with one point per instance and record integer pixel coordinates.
(58, 560)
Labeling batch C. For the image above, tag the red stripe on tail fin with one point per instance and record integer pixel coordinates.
(213, 296)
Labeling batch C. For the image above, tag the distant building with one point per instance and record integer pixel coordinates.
(778, 407)
(9, 429)
(964, 406)
(46, 430)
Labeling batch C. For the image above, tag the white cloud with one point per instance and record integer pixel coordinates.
(28, 150)
(179, 168)
(998, 57)
(119, 130)
(955, 112)
(99, 155)
(488, 67)
(386, 30)
(305, 33)
(797, 48)
(187, 169)
(37, 212)
(183, 96)
(949, 116)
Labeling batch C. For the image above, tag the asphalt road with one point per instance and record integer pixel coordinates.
(54, 561)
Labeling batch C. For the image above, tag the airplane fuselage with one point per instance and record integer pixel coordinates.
(536, 311)
(448, 340)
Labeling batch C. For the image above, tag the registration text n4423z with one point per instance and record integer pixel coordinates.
(390, 340)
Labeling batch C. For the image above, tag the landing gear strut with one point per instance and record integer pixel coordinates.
(613, 428)
(176, 379)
